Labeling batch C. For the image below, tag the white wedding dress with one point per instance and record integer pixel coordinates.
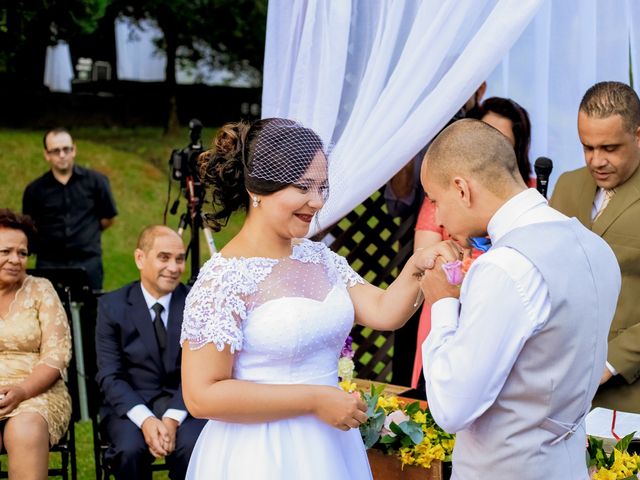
(286, 320)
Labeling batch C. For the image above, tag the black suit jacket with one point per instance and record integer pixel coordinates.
(131, 370)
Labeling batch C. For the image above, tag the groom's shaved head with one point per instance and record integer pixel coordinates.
(473, 149)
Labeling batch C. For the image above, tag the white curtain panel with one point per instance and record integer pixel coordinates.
(138, 58)
(633, 21)
(58, 71)
(377, 79)
(568, 47)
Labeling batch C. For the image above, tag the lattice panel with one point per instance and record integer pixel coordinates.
(376, 245)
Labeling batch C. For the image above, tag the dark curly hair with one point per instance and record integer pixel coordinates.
(14, 221)
(521, 127)
(227, 167)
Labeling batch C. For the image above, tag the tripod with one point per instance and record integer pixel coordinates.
(194, 219)
(183, 164)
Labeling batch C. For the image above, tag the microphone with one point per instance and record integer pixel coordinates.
(542, 167)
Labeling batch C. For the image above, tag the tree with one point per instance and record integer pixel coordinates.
(26, 28)
(234, 31)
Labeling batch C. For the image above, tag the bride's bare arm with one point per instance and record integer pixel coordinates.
(391, 308)
(209, 391)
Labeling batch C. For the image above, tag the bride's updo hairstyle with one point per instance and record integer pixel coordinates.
(262, 157)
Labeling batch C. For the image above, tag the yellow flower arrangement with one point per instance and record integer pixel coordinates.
(619, 465)
(404, 429)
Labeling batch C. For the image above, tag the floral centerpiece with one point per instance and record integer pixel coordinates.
(404, 429)
(397, 426)
(620, 464)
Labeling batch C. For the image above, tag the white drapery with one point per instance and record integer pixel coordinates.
(568, 47)
(140, 60)
(378, 79)
(58, 71)
(137, 56)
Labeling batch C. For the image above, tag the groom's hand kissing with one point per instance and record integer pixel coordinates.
(425, 258)
(435, 285)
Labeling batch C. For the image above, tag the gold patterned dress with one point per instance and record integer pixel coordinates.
(36, 331)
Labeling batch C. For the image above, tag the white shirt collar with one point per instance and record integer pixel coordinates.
(150, 300)
(506, 218)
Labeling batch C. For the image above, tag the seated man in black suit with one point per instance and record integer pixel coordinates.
(138, 350)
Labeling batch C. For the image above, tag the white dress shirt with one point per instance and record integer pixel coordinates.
(139, 413)
(475, 341)
(597, 202)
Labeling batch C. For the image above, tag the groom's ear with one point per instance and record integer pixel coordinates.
(463, 191)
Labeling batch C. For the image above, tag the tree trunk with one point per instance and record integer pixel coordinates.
(172, 125)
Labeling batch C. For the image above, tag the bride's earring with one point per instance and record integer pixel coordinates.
(256, 201)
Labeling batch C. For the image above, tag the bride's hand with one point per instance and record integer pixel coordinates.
(338, 408)
(425, 258)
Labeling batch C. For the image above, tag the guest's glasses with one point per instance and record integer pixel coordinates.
(58, 151)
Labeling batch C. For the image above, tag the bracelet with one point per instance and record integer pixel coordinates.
(419, 298)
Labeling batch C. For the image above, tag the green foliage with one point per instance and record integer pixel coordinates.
(406, 433)
(234, 30)
(618, 463)
(416, 439)
(85, 15)
(370, 430)
(26, 27)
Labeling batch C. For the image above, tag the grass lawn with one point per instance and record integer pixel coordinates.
(136, 162)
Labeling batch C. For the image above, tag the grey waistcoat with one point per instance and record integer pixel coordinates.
(535, 428)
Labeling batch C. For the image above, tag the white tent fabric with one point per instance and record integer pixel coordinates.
(633, 18)
(58, 70)
(568, 47)
(378, 79)
(140, 60)
(137, 56)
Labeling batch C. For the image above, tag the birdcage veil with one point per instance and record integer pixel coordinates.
(285, 152)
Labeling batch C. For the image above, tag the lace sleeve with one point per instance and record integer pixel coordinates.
(347, 274)
(55, 344)
(214, 309)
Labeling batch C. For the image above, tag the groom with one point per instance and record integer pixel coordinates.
(515, 355)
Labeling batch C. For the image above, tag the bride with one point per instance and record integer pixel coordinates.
(267, 317)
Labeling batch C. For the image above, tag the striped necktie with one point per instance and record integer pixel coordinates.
(608, 195)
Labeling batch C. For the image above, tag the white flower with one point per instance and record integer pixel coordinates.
(345, 368)
(397, 417)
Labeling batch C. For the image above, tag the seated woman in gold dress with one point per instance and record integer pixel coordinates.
(35, 349)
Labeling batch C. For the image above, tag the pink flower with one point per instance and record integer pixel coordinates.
(453, 271)
(397, 417)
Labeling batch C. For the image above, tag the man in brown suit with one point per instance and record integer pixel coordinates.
(605, 197)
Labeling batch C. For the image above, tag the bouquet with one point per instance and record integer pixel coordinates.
(404, 429)
(620, 464)
(394, 426)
